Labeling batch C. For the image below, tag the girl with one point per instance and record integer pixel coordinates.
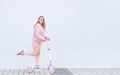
(37, 39)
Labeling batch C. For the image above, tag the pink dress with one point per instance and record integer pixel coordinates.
(38, 36)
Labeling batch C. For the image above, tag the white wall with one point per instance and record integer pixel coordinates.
(84, 33)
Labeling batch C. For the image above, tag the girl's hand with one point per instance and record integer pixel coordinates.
(47, 39)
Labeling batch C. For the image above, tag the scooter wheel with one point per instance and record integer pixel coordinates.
(29, 69)
(51, 69)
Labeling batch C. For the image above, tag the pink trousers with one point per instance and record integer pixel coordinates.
(36, 44)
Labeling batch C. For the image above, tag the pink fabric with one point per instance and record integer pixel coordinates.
(38, 35)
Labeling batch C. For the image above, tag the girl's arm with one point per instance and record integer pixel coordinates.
(48, 39)
(40, 35)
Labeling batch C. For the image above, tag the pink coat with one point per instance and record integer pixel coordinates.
(39, 35)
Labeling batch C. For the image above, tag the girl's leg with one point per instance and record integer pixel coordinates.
(32, 53)
(37, 62)
(37, 57)
(35, 52)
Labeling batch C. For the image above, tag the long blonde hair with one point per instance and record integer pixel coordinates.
(43, 24)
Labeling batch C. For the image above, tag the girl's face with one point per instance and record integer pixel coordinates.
(41, 20)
